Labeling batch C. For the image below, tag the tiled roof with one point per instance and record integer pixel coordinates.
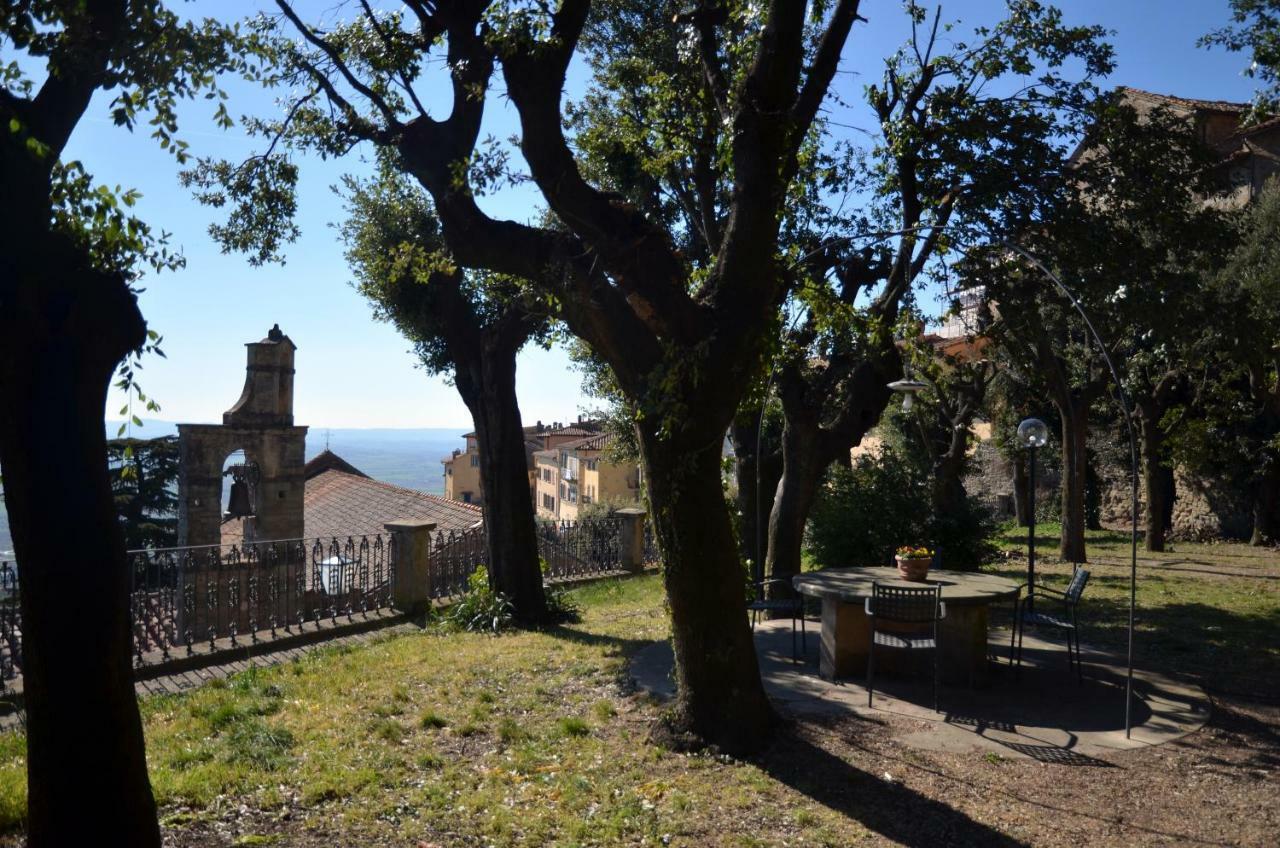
(1188, 102)
(583, 429)
(327, 460)
(340, 504)
(596, 442)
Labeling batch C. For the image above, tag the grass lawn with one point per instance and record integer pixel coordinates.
(1209, 612)
(533, 739)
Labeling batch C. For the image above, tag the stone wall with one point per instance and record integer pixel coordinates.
(1204, 508)
(990, 480)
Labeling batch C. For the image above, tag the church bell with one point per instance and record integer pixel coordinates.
(243, 478)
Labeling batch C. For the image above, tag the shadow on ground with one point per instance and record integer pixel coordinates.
(891, 809)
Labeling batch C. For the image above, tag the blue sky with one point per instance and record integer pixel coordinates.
(355, 372)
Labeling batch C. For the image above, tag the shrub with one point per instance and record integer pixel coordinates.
(561, 607)
(480, 609)
(865, 513)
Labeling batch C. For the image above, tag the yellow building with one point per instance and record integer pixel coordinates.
(462, 474)
(577, 474)
(462, 469)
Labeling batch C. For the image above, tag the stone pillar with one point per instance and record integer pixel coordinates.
(631, 541)
(411, 590)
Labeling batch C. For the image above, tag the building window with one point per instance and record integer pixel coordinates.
(466, 497)
(549, 502)
(475, 460)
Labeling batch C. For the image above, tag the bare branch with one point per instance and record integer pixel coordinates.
(329, 50)
(386, 42)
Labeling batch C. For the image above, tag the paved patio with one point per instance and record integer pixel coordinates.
(1043, 714)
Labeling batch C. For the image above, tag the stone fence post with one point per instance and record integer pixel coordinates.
(631, 538)
(411, 590)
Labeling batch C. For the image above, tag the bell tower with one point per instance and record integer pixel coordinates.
(269, 485)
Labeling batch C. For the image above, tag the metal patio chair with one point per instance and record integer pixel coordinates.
(919, 606)
(793, 607)
(1066, 620)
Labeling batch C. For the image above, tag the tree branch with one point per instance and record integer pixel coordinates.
(329, 50)
(635, 252)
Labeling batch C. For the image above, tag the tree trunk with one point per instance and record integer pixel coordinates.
(947, 494)
(63, 330)
(804, 460)
(1075, 434)
(1266, 506)
(720, 698)
(1155, 486)
(1021, 492)
(489, 390)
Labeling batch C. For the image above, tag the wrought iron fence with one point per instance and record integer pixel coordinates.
(10, 623)
(455, 555)
(184, 598)
(580, 548)
(570, 549)
(652, 555)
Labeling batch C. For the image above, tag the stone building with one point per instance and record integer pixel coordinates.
(261, 425)
(579, 473)
(462, 469)
(1248, 155)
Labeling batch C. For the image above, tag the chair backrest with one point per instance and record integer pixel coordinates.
(1076, 587)
(902, 603)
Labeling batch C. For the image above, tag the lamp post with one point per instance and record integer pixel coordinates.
(908, 388)
(1032, 434)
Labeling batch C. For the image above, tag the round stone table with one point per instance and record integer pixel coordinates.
(846, 633)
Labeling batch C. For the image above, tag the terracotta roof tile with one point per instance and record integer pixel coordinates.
(1189, 102)
(340, 504)
(596, 442)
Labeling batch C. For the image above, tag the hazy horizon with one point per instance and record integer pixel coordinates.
(403, 456)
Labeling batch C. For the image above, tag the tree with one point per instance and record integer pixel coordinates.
(144, 477)
(1255, 28)
(1249, 291)
(684, 333)
(1132, 235)
(957, 377)
(69, 253)
(470, 326)
(954, 149)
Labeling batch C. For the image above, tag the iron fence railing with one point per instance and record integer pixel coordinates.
(455, 555)
(184, 598)
(10, 623)
(652, 555)
(570, 549)
(580, 548)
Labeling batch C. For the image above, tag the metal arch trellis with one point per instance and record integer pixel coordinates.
(1120, 394)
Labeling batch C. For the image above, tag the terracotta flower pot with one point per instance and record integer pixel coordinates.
(914, 568)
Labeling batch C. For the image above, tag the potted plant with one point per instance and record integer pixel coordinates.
(914, 562)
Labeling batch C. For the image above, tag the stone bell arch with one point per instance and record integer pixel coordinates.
(261, 424)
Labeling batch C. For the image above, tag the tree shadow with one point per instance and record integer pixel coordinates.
(1224, 650)
(614, 644)
(891, 809)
